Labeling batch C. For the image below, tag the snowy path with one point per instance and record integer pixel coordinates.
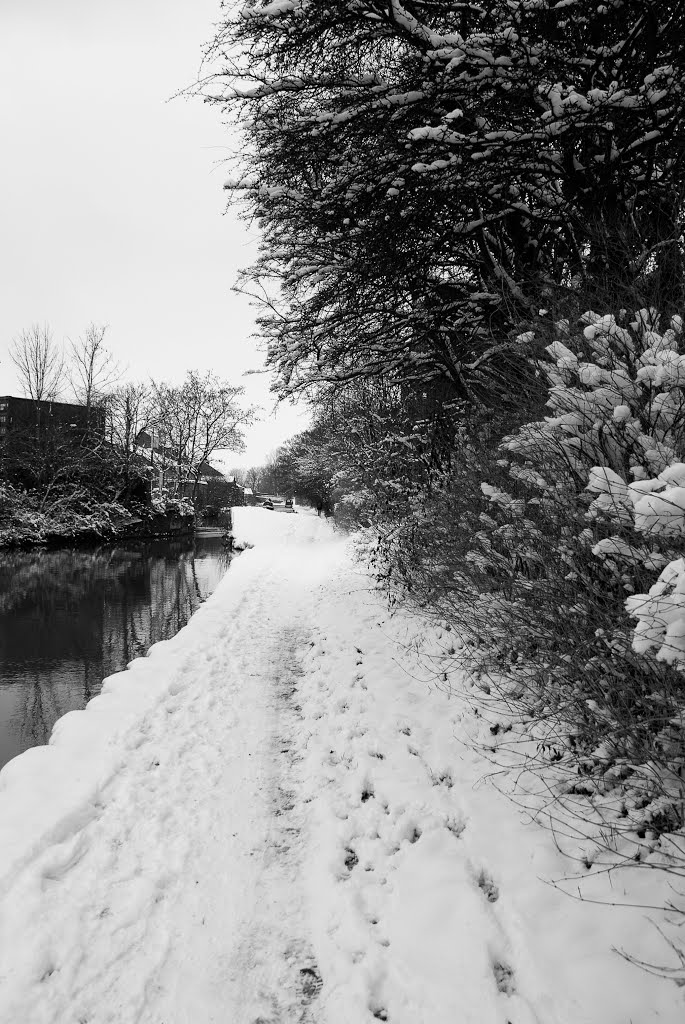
(269, 821)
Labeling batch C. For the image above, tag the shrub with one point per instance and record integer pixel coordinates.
(164, 503)
(531, 569)
(26, 517)
(595, 510)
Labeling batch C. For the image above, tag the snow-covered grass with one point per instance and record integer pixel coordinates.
(276, 816)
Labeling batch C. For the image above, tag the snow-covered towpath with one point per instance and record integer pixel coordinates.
(270, 821)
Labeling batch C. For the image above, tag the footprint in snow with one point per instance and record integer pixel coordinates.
(351, 858)
(311, 982)
(444, 779)
(488, 887)
(504, 978)
(455, 827)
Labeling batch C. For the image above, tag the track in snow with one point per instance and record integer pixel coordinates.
(278, 978)
(271, 821)
(176, 896)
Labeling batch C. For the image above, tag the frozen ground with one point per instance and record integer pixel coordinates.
(273, 820)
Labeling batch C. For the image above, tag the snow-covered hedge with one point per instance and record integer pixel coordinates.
(586, 535)
(69, 514)
(73, 513)
(618, 419)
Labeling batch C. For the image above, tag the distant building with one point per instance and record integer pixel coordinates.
(26, 416)
(212, 487)
(219, 490)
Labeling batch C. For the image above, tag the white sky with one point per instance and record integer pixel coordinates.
(111, 202)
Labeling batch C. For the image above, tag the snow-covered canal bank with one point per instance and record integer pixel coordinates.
(69, 617)
(272, 820)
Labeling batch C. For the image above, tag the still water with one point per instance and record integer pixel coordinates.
(68, 619)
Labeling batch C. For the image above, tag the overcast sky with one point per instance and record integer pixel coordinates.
(111, 197)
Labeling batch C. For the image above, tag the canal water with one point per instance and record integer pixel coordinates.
(68, 619)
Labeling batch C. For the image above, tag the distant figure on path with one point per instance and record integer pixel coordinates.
(319, 508)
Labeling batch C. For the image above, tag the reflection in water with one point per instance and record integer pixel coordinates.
(68, 619)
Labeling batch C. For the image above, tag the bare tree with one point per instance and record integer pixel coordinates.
(39, 362)
(247, 477)
(239, 475)
(196, 420)
(172, 418)
(270, 475)
(93, 368)
(252, 477)
(129, 411)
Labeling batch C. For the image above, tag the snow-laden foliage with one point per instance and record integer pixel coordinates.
(428, 175)
(430, 179)
(171, 505)
(74, 514)
(661, 615)
(617, 399)
(70, 514)
(370, 452)
(528, 548)
(594, 509)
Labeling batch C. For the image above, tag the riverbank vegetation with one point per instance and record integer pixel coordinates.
(472, 269)
(115, 453)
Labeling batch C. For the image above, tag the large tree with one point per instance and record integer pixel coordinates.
(39, 362)
(195, 420)
(130, 411)
(93, 370)
(428, 175)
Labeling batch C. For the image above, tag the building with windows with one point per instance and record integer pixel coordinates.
(26, 416)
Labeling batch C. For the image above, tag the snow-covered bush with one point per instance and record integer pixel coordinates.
(593, 510)
(661, 615)
(628, 415)
(71, 513)
(168, 505)
(529, 547)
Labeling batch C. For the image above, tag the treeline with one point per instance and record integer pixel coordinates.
(87, 448)
(471, 268)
